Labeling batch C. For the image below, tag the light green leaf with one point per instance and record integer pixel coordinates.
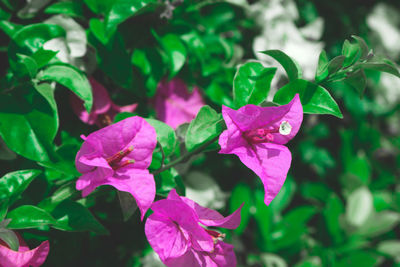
(71, 78)
(175, 50)
(13, 184)
(291, 67)
(359, 206)
(10, 238)
(28, 124)
(205, 127)
(251, 83)
(322, 69)
(28, 216)
(358, 81)
(314, 98)
(165, 135)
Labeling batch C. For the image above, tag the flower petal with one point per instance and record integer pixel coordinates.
(165, 237)
(252, 117)
(133, 131)
(101, 103)
(34, 257)
(271, 162)
(89, 181)
(211, 217)
(140, 183)
(223, 255)
(175, 105)
(178, 211)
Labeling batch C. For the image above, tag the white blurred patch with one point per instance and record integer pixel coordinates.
(32, 7)
(204, 190)
(279, 31)
(384, 21)
(388, 91)
(73, 48)
(152, 260)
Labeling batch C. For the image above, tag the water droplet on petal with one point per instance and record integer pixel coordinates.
(285, 128)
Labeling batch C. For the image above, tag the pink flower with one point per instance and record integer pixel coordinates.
(257, 136)
(175, 105)
(175, 233)
(119, 155)
(103, 110)
(23, 257)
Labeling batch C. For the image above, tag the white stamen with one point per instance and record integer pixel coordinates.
(285, 128)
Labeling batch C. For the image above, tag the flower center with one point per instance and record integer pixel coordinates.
(115, 160)
(216, 236)
(264, 135)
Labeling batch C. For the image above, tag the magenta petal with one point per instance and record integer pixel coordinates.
(89, 181)
(101, 103)
(223, 255)
(34, 257)
(165, 237)
(175, 105)
(211, 217)
(252, 117)
(271, 162)
(119, 109)
(140, 183)
(190, 258)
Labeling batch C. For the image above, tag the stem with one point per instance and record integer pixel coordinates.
(186, 156)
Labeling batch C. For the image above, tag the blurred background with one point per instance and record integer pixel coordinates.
(340, 204)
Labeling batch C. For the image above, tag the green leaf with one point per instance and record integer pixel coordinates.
(29, 216)
(70, 8)
(166, 181)
(291, 67)
(42, 57)
(285, 195)
(100, 6)
(206, 126)
(390, 247)
(335, 64)
(359, 206)
(358, 258)
(241, 194)
(382, 65)
(123, 9)
(72, 79)
(314, 98)
(322, 69)
(28, 124)
(127, 203)
(97, 27)
(363, 46)
(165, 135)
(31, 38)
(379, 223)
(13, 184)
(358, 81)
(28, 64)
(175, 50)
(47, 92)
(251, 83)
(10, 238)
(351, 52)
(73, 216)
(58, 196)
(9, 28)
(333, 210)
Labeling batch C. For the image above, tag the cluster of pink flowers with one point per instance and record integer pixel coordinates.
(120, 154)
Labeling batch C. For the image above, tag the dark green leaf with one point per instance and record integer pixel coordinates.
(381, 64)
(291, 67)
(71, 78)
(205, 127)
(123, 9)
(358, 81)
(28, 66)
(13, 184)
(363, 46)
(28, 124)
(10, 238)
(241, 194)
(333, 210)
(127, 203)
(60, 195)
(251, 83)
(70, 8)
(165, 135)
(100, 6)
(322, 69)
(175, 50)
(9, 28)
(358, 258)
(335, 64)
(42, 57)
(73, 216)
(28, 216)
(314, 98)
